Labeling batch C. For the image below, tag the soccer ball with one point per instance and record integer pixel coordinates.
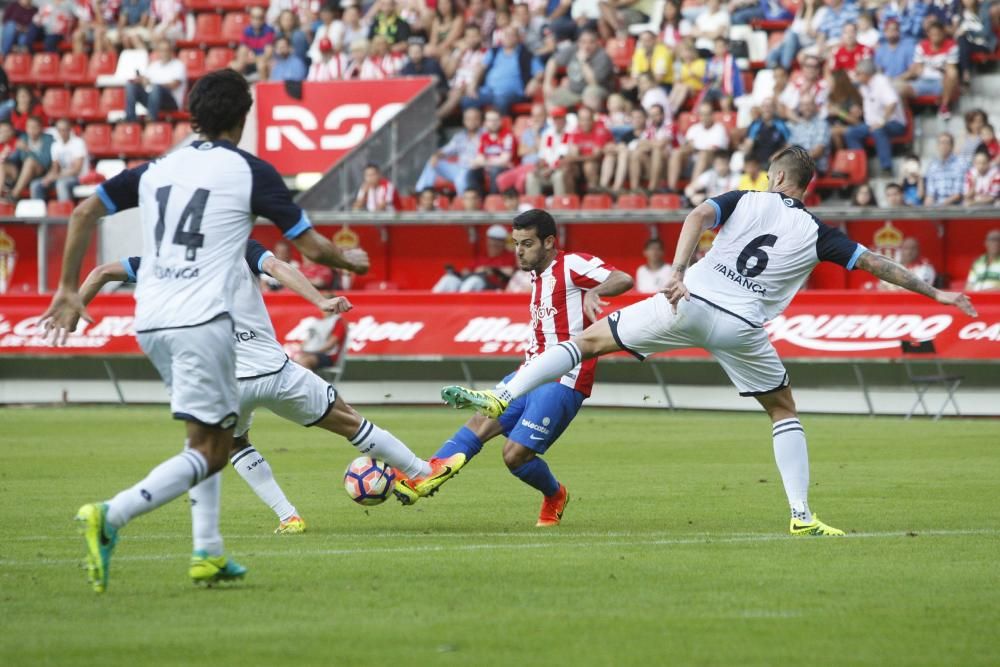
(369, 481)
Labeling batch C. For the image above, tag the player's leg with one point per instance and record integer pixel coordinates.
(469, 439)
(255, 470)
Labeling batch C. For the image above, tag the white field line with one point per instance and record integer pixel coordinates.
(700, 539)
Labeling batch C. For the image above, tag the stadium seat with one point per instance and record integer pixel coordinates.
(442, 203)
(207, 30)
(407, 203)
(106, 169)
(218, 57)
(194, 60)
(534, 201)
(60, 209)
(56, 103)
(85, 104)
(685, 120)
(18, 67)
(112, 102)
(102, 64)
(667, 202)
(564, 202)
(654, 22)
(97, 136)
(31, 208)
(73, 68)
(45, 69)
(456, 204)
(126, 139)
(848, 167)
(493, 203)
(232, 27)
(157, 138)
(632, 201)
(129, 62)
(6, 209)
(596, 202)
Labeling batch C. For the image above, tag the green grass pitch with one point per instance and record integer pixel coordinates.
(674, 549)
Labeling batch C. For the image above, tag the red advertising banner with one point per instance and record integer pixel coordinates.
(313, 133)
(829, 325)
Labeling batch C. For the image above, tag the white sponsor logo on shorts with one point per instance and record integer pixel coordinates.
(534, 427)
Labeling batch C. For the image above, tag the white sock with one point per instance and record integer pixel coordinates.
(792, 457)
(380, 444)
(205, 500)
(546, 367)
(163, 483)
(256, 471)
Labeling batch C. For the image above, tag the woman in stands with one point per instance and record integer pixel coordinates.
(844, 106)
(25, 106)
(447, 28)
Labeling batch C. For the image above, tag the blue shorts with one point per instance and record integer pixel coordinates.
(925, 87)
(537, 419)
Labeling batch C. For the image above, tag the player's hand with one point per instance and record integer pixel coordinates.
(593, 305)
(336, 305)
(64, 313)
(959, 300)
(358, 259)
(676, 290)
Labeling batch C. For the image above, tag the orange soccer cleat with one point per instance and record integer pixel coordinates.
(553, 508)
(409, 491)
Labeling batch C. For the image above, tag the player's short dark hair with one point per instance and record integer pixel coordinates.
(651, 242)
(541, 221)
(510, 192)
(797, 164)
(219, 102)
(893, 186)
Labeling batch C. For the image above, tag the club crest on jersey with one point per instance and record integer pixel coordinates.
(206, 146)
(790, 203)
(549, 283)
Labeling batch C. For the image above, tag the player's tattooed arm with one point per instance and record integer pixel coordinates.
(696, 222)
(99, 277)
(891, 272)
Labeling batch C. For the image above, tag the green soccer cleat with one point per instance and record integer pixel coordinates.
(101, 538)
(814, 527)
(207, 570)
(486, 403)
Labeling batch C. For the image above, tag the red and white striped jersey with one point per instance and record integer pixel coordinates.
(377, 68)
(334, 69)
(382, 194)
(987, 184)
(557, 309)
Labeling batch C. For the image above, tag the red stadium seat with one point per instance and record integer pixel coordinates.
(596, 202)
(207, 29)
(112, 99)
(126, 140)
(6, 209)
(565, 203)
(442, 203)
(56, 103)
(18, 67)
(521, 108)
(136, 162)
(632, 201)
(620, 51)
(534, 201)
(233, 25)
(157, 138)
(456, 204)
(101, 64)
(86, 104)
(194, 60)
(493, 203)
(60, 209)
(685, 120)
(848, 167)
(73, 68)
(45, 69)
(407, 203)
(668, 202)
(218, 57)
(97, 136)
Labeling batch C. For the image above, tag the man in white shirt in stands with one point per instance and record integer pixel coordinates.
(652, 276)
(69, 163)
(712, 182)
(701, 140)
(161, 87)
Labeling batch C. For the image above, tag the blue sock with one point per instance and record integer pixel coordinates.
(464, 441)
(536, 473)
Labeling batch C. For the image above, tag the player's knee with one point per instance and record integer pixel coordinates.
(515, 455)
(239, 444)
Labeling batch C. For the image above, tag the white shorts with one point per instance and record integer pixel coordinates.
(198, 365)
(297, 394)
(744, 351)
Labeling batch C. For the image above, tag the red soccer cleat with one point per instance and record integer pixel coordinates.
(553, 508)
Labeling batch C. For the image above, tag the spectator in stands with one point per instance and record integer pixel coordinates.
(894, 56)
(8, 141)
(31, 160)
(25, 106)
(615, 168)
(839, 13)
(55, 18)
(850, 52)
(462, 67)
(945, 175)
(350, 28)
(381, 61)
(894, 196)
(91, 28)
(131, 29)
(652, 276)
(908, 15)
(990, 143)
(845, 107)
(289, 28)
(377, 193)
(652, 94)
(909, 257)
(934, 71)
(527, 152)
(19, 26)
(282, 251)
(652, 149)
(256, 46)
(305, 10)
(701, 142)
(670, 29)
(388, 23)
(427, 200)
(324, 341)
(454, 159)
(868, 34)
(691, 78)
(974, 119)
(589, 71)
(985, 271)
(586, 150)
(166, 20)
(766, 135)
(551, 170)
(447, 27)
(618, 119)
(753, 177)
(509, 74)
(418, 64)
(712, 22)
(497, 153)
(653, 58)
(913, 181)
(489, 271)
(480, 14)
(69, 164)
(328, 28)
(863, 196)
(973, 30)
(982, 181)
(882, 116)
(801, 34)
(329, 65)
(723, 77)
(284, 64)
(744, 12)
(809, 80)
(160, 87)
(712, 182)
(812, 133)
(511, 200)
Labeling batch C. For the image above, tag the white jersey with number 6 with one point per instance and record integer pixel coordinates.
(197, 207)
(766, 247)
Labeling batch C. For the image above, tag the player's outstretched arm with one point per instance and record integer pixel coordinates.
(292, 278)
(321, 250)
(891, 272)
(99, 277)
(697, 221)
(618, 282)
